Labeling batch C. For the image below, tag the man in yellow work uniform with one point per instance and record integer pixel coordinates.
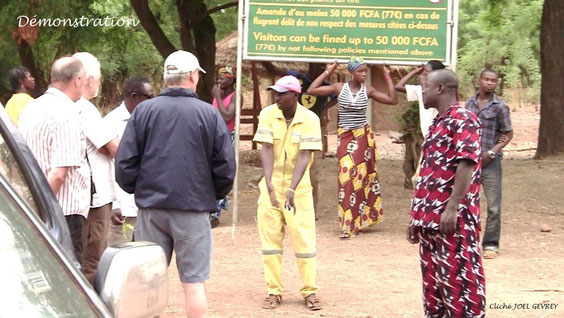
(288, 133)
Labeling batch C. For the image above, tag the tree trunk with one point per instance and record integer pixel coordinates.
(198, 36)
(204, 33)
(551, 130)
(28, 60)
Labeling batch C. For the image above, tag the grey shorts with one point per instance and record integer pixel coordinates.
(187, 233)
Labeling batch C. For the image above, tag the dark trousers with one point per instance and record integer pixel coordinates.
(75, 223)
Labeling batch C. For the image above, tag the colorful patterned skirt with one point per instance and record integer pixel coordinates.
(360, 203)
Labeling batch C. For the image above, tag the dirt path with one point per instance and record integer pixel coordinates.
(377, 274)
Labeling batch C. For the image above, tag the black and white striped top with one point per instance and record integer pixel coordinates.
(352, 107)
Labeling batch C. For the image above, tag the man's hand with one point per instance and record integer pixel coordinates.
(273, 199)
(289, 205)
(413, 235)
(116, 217)
(486, 160)
(448, 221)
(419, 69)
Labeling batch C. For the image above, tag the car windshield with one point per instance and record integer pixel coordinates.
(34, 281)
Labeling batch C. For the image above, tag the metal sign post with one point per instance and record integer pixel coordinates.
(241, 20)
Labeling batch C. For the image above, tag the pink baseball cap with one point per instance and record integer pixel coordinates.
(287, 83)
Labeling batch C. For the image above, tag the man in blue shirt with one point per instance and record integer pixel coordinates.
(497, 132)
(176, 156)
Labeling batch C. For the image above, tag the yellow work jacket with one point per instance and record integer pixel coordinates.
(303, 133)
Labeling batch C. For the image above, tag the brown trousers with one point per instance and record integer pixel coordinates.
(95, 239)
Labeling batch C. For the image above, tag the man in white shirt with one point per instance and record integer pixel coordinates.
(124, 210)
(414, 93)
(51, 128)
(102, 145)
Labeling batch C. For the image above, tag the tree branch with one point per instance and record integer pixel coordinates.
(150, 24)
(223, 6)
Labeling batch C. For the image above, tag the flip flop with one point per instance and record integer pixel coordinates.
(345, 236)
(490, 254)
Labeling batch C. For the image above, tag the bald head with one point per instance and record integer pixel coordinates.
(440, 89)
(446, 77)
(68, 75)
(65, 69)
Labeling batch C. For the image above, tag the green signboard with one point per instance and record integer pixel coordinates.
(380, 31)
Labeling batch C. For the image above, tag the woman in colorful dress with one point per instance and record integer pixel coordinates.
(224, 101)
(360, 203)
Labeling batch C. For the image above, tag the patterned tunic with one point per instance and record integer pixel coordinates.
(451, 266)
(454, 135)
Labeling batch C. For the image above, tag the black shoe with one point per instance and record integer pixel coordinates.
(214, 222)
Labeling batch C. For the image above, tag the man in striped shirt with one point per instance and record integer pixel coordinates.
(50, 125)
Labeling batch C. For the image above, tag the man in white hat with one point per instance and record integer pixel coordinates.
(176, 157)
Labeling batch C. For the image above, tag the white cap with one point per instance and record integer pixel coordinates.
(181, 62)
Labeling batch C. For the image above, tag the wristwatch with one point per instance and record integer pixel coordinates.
(491, 154)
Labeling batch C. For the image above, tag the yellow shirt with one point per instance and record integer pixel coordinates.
(16, 104)
(303, 133)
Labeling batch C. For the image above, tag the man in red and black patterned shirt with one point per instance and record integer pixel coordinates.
(445, 210)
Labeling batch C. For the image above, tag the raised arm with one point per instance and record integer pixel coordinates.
(226, 113)
(391, 98)
(400, 86)
(273, 69)
(318, 89)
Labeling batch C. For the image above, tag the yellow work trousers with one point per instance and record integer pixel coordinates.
(301, 227)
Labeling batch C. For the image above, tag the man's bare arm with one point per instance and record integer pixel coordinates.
(56, 178)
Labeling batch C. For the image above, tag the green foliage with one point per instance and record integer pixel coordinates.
(123, 51)
(225, 20)
(504, 35)
(409, 120)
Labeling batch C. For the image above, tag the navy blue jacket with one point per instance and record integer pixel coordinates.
(176, 154)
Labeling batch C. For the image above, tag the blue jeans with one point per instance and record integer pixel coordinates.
(491, 183)
(221, 204)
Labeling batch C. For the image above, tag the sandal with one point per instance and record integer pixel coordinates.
(490, 254)
(313, 303)
(345, 236)
(272, 301)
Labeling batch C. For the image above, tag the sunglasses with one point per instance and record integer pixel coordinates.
(144, 95)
